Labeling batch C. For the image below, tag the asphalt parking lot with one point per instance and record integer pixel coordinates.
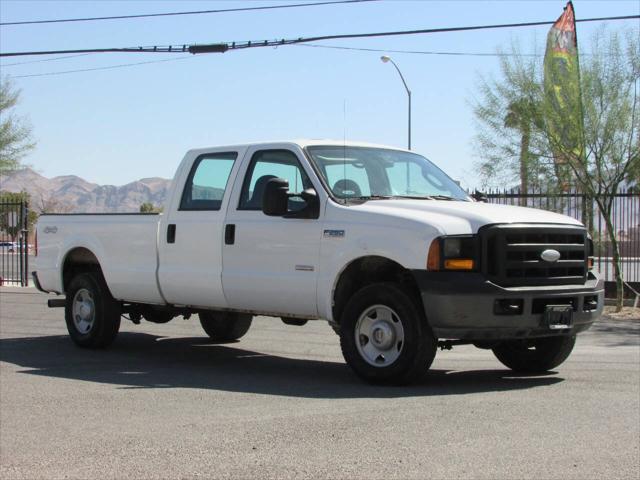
(164, 402)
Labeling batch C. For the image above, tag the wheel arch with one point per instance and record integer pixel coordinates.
(367, 270)
(79, 260)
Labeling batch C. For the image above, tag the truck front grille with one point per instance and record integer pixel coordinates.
(512, 254)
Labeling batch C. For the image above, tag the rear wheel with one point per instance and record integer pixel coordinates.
(225, 326)
(91, 313)
(535, 355)
(385, 337)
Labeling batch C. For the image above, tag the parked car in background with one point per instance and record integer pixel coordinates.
(9, 247)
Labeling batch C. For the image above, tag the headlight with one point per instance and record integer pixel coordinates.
(452, 253)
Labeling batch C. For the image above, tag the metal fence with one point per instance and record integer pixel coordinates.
(15, 249)
(14, 246)
(625, 216)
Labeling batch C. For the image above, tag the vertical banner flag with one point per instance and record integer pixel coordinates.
(563, 105)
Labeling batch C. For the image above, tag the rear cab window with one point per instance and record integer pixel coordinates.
(207, 181)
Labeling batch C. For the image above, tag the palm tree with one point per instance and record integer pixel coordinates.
(522, 115)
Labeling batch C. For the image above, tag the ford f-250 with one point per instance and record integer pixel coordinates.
(377, 241)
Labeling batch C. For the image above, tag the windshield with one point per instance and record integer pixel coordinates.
(363, 173)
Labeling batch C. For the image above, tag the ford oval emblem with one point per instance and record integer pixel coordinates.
(550, 255)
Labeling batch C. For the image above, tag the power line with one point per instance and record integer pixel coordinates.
(421, 52)
(381, 50)
(222, 47)
(45, 60)
(197, 12)
(155, 49)
(300, 45)
(449, 29)
(109, 67)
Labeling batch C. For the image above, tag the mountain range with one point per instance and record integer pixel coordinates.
(72, 194)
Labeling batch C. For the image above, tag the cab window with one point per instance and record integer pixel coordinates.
(266, 165)
(207, 181)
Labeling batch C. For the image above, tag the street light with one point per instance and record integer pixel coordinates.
(386, 59)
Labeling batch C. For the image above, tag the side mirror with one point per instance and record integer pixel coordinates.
(275, 201)
(312, 207)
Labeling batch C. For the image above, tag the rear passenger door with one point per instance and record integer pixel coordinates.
(191, 238)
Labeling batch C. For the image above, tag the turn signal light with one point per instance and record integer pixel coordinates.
(454, 253)
(459, 264)
(433, 259)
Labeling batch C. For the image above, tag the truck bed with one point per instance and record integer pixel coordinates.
(125, 245)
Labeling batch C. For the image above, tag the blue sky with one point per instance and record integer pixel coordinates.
(116, 126)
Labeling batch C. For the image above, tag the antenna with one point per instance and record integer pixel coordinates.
(344, 146)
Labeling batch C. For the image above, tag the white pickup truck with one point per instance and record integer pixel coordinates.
(377, 241)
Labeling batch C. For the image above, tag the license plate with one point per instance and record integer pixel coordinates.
(558, 317)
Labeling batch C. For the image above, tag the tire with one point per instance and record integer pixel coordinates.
(535, 355)
(91, 313)
(385, 337)
(225, 326)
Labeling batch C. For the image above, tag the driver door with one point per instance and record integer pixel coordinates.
(270, 264)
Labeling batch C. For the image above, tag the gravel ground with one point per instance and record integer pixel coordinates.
(627, 313)
(164, 402)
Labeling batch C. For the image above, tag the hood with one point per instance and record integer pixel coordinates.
(458, 218)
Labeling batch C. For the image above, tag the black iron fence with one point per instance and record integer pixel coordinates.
(625, 217)
(14, 246)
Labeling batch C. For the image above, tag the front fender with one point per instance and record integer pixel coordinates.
(404, 246)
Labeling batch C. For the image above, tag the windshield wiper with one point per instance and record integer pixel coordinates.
(371, 197)
(415, 197)
(391, 197)
(395, 197)
(442, 197)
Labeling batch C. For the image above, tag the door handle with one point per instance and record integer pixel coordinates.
(229, 234)
(171, 233)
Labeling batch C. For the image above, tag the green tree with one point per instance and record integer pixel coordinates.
(529, 148)
(15, 133)
(509, 140)
(610, 157)
(148, 207)
(523, 116)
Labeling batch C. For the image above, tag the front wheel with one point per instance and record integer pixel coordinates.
(535, 355)
(384, 335)
(91, 313)
(225, 326)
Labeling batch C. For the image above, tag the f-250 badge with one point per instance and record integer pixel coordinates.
(50, 229)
